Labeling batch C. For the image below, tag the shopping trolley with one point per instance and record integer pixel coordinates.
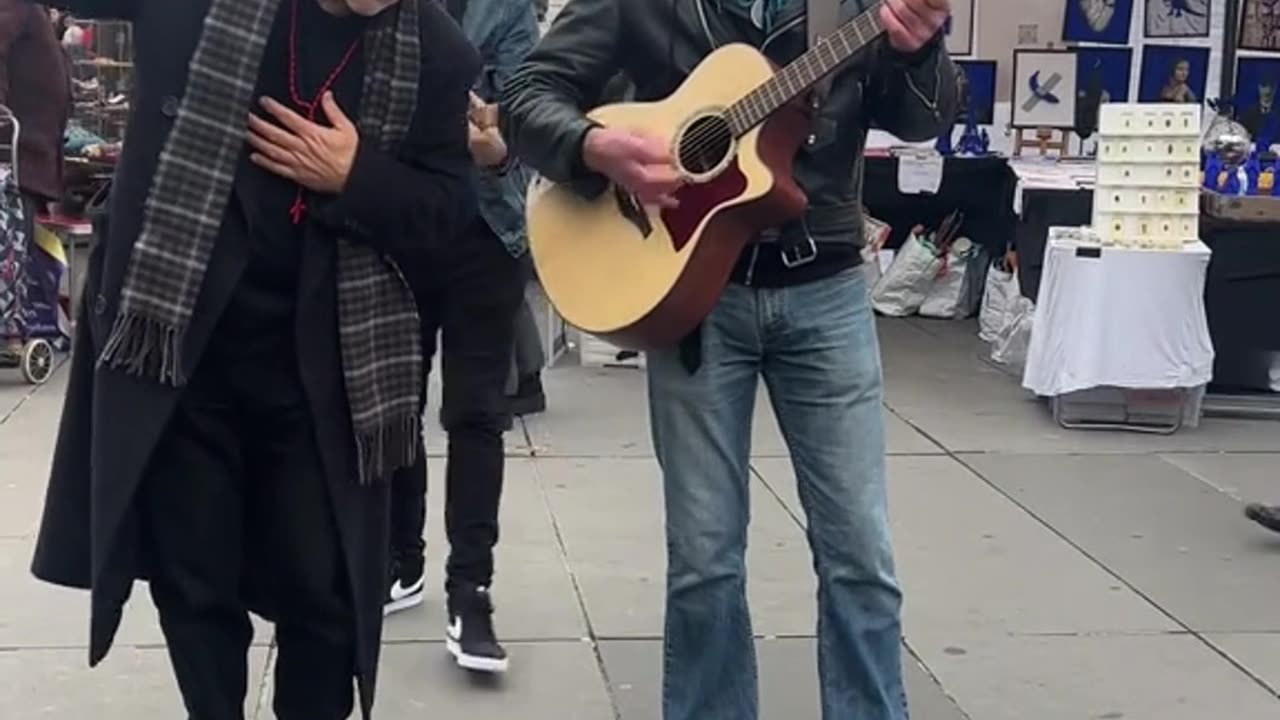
(30, 325)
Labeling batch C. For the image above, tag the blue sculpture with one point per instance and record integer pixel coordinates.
(973, 141)
(1212, 169)
(943, 146)
(1252, 171)
(1232, 186)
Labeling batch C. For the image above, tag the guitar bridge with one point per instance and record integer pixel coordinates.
(633, 211)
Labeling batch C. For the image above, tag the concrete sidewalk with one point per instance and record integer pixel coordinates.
(1050, 575)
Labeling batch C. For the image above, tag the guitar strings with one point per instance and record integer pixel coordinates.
(702, 139)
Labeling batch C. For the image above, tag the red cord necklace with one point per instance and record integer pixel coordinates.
(309, 107)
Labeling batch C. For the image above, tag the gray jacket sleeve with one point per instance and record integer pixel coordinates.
(915, 95)
(544, 102)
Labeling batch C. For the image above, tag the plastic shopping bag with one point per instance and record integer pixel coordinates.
(1002, 289)
(874, 234)
(954, 294)
(905, 284)
(1014, 340)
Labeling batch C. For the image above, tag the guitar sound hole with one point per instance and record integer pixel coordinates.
(706, 142)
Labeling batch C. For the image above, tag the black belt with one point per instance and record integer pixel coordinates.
(832, 223)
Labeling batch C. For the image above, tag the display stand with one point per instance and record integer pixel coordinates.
(103, 78)
(1044, 140)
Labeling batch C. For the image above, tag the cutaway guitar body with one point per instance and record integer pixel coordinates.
(643, 278)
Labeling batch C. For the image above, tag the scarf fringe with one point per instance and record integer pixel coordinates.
(145, 347)
(389, 447)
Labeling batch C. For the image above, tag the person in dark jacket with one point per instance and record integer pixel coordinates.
(797, 313)
(36, 88)
(35, 85)
(469, 293)
(248, 368)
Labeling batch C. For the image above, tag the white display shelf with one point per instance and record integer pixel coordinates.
(1171, 174)
(1142, 200)
(1148, 179)
(1146, 120)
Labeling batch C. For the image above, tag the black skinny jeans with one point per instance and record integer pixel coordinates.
(467, 293)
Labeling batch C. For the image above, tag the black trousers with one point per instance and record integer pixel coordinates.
(468, 294)
(238, 517)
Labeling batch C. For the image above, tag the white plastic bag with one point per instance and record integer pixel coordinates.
(903, 288)
(874, 234)
(1002, 289)
(871, 266)
(1014, 340)
(948, 296)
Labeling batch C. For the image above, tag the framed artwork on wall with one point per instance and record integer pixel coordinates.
(1173, 73)
(977, 90)
(959, 28)
(1107, 69)
(1257, 79)
(1177, 18)
(1098, 21)
(1259, 25)
(1044, 89)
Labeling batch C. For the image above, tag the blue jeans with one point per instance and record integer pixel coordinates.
(815, 346)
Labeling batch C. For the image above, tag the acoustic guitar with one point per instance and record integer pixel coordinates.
(643, 277)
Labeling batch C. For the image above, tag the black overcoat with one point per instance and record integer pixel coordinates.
(112, 422)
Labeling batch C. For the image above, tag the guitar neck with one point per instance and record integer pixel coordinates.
(805, 71)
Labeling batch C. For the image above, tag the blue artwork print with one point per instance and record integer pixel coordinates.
(1042, 90)
(976, 85)
(1255, 100)
(1107, 70)
(1177, 18)
(1098, 21)
(1173, 73)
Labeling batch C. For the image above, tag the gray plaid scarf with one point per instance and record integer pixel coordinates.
(377, 319)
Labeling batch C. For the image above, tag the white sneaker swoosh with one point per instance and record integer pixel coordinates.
(400, 592)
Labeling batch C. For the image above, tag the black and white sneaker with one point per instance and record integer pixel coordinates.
(406, 589)
(470, 637)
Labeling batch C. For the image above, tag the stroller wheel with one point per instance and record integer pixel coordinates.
(37, 361)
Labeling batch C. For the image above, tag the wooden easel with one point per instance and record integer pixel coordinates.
(1045, 139)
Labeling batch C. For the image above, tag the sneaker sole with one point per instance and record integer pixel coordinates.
(473, 663)
(403, 603)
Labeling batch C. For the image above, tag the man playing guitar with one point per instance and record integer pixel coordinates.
(796, 313)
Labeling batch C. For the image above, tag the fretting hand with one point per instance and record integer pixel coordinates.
(910, 24)
(317, 157)
(640, 164)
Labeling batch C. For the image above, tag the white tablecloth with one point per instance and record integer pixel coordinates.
(1127, 318)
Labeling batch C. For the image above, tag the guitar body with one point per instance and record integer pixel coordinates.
(643, 278)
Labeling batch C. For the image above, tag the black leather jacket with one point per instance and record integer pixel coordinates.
(658, 42)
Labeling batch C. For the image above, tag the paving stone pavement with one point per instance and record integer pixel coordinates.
(1049, 574)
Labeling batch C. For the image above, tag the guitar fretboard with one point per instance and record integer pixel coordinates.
(805, 71)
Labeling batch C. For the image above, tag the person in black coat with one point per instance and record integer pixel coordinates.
(235, 455)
